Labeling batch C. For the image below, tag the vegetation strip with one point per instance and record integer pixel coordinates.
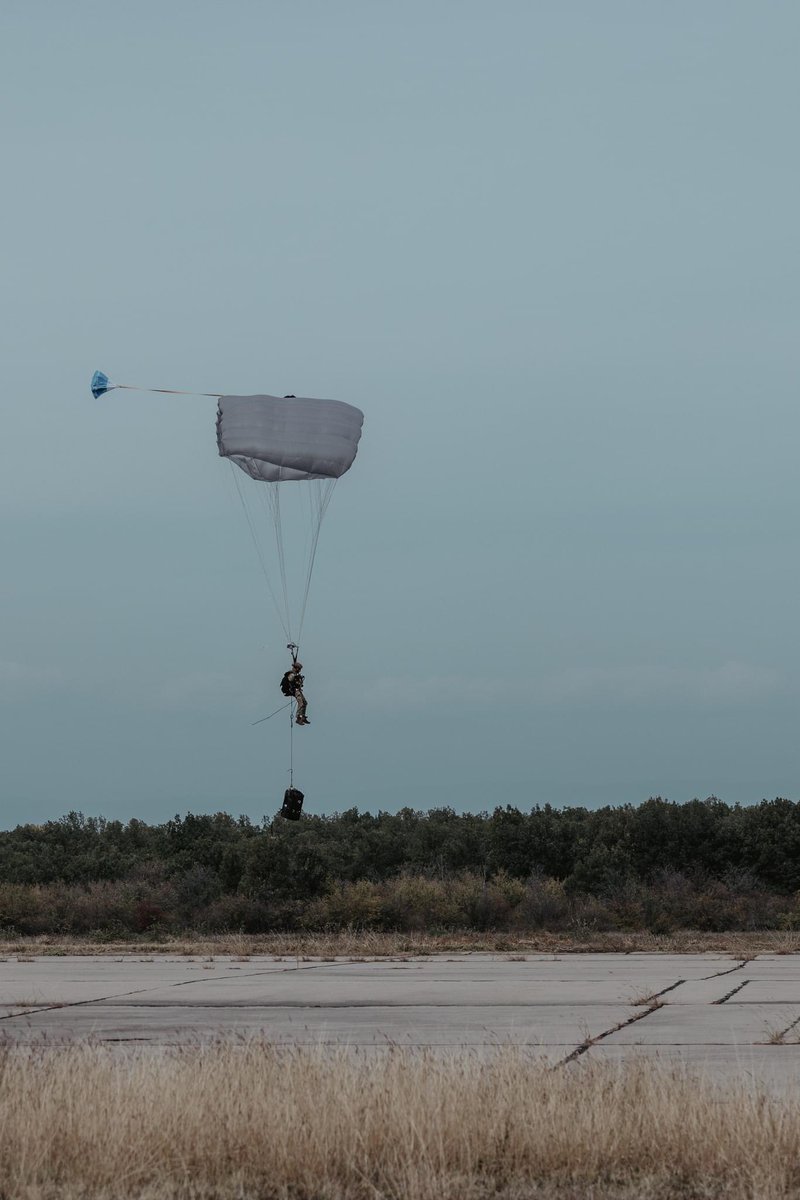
(573, 872)
(311, 949)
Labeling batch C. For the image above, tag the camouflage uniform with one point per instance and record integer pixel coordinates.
(296, 680)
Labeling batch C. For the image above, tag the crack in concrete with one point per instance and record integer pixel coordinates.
(732, 992)
(30, 1011)
(789, 1028)
(268, 1005)
(275, 970)
(650, 1000)
(587, 1043)
(729, 971)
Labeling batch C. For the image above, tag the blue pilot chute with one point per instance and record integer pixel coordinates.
(100, 384)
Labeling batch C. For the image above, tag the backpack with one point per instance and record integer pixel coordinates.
(286, 687)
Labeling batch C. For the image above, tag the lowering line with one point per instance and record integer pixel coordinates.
(291, 744)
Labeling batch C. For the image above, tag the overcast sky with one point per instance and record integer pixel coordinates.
(551, 249)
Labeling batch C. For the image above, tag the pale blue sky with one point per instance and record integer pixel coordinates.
(551, 250)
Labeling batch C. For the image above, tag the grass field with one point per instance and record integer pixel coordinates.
(249, 1121)
(355, 943)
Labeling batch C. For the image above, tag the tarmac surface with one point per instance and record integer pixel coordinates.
(730, 1017)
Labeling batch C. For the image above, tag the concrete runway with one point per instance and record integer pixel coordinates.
(732, 1018)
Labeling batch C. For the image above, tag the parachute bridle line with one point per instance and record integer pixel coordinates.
(134, 387)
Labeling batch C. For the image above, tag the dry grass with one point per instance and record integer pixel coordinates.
(374, 944)
(250, 1121)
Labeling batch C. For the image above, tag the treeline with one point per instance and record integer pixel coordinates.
(659, 865)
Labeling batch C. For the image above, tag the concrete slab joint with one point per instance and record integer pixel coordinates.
(561, 1008)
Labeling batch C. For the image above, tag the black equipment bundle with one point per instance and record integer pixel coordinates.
(292, 805)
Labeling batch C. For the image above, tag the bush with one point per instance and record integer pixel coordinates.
(704, 865)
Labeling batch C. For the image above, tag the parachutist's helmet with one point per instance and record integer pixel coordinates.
(297, 666)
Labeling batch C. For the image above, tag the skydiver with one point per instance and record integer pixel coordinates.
(292, 685)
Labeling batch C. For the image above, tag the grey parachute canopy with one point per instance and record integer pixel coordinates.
(300, 444)
(276, 439)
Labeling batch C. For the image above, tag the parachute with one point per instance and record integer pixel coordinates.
(293, 450)
(100, 384)
(280, 440)
(296, 442)
(275, 440)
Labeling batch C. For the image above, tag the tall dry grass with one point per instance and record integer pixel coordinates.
(249, 1120)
